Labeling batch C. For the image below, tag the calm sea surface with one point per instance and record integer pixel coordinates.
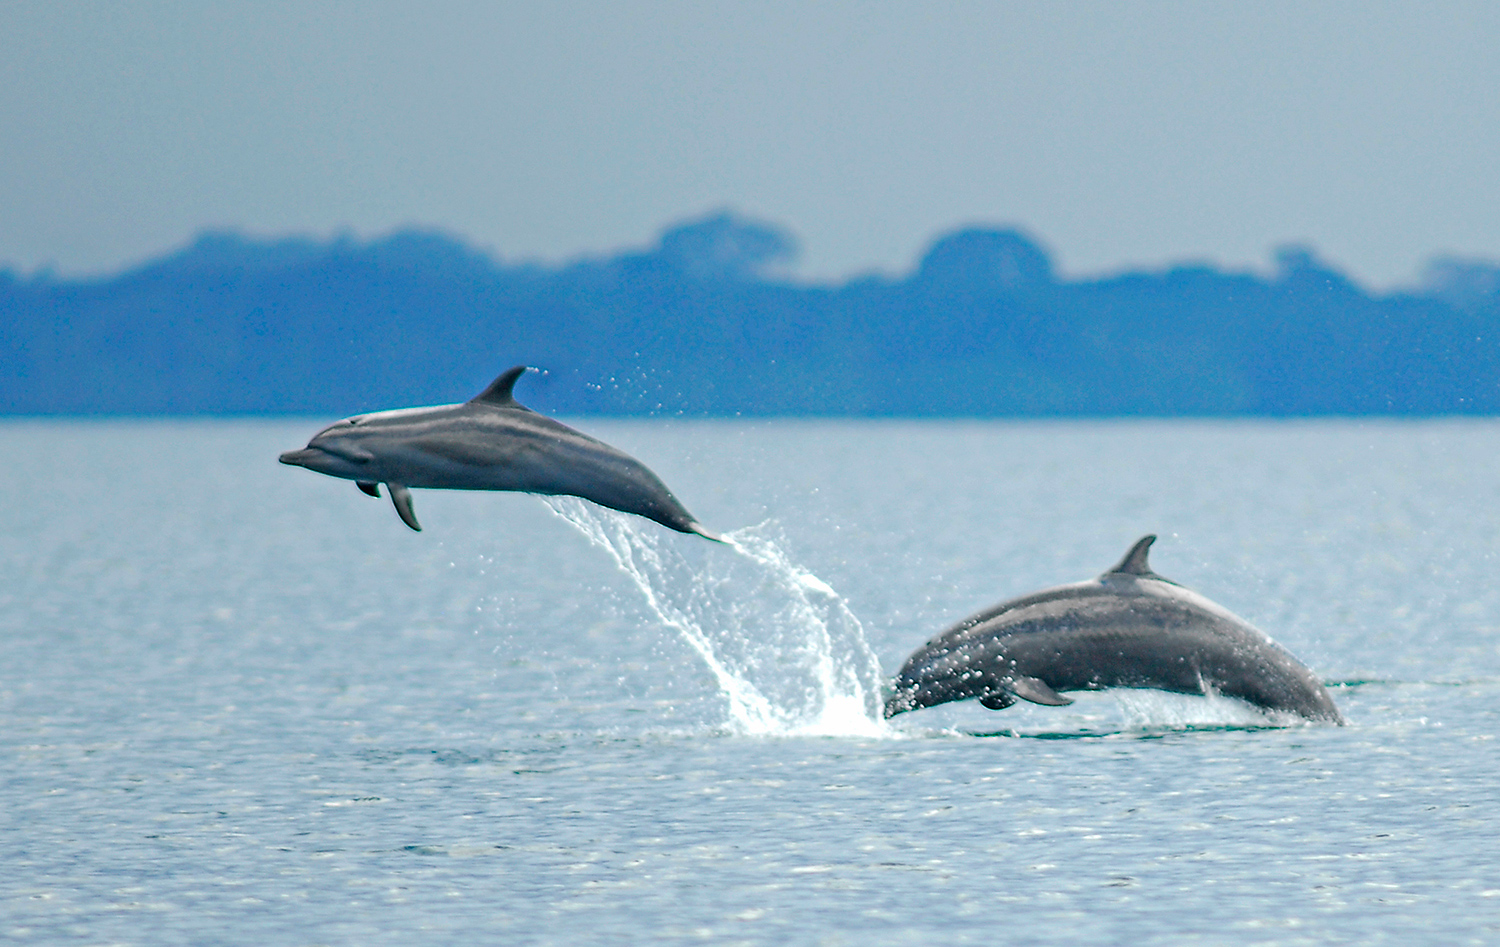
(241, 703)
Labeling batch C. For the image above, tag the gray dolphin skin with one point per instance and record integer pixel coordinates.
(487, 443)
(1128, 628)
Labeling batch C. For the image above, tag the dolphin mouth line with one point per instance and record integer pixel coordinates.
(299, 458)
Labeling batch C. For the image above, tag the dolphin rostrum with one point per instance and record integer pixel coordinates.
(1128, 628)
(487, 443)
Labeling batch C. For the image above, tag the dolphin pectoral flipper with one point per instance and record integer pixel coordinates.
(401, 497)
(1037, 691)
(368, 488)
(997, 700)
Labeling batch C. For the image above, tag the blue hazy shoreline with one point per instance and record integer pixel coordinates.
(702, 325)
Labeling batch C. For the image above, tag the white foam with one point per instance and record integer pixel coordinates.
(1152, 709)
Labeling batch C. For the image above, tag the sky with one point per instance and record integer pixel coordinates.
(1120, 134)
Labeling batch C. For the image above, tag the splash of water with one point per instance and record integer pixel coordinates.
(787, 653)
(1150, 709)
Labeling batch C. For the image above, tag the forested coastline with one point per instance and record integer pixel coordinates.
(701, 324)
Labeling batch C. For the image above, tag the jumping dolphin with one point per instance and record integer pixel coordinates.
(487, 443)
(1128, 628)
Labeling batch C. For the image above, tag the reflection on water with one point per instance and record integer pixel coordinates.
(244, 704)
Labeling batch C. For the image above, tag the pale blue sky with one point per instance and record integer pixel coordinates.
(1121, 133)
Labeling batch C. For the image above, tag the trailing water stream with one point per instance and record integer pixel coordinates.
(787, 653)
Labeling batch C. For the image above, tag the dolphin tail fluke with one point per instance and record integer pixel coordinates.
(401, 497)
(707, 533)
(368, 488)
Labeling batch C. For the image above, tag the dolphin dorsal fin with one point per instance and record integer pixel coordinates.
(1135, 562)
(498, 394)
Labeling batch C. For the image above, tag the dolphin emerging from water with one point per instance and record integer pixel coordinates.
(487, 443)
(1128, 628)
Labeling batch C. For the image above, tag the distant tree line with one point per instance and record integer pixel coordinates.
(701, 325)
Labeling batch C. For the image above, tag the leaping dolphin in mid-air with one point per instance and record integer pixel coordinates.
(1128, 628)
(487, 443)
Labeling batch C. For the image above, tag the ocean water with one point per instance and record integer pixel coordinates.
(241, 703)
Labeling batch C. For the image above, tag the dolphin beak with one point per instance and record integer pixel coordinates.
(899, 703)
(299, 458)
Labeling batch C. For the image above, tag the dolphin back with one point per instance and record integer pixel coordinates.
(571, 463)
(481, 446)
(490, 442)
(1128, 628)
